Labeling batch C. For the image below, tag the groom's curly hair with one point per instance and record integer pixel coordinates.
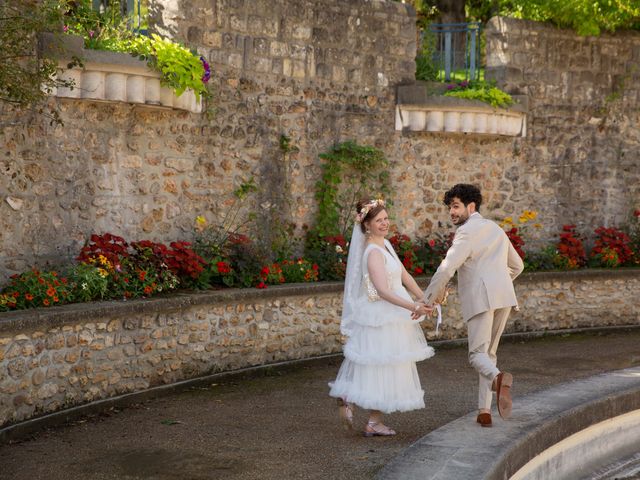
(466, 193)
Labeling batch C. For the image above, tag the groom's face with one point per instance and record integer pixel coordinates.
(458, 212)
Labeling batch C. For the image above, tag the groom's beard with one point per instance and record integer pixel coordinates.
(461, 220)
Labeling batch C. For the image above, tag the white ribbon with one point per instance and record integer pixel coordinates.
(439, 320)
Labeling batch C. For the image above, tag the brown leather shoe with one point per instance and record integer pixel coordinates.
(502, 386)
(484, 419)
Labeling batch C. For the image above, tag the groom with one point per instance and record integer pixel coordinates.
(487, 264)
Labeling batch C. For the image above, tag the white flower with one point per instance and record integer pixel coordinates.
(84, 286)
(339, 249)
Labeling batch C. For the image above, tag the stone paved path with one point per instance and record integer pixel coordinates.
(283, 425)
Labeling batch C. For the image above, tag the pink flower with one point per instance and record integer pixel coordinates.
(65, 29)
(91, 33)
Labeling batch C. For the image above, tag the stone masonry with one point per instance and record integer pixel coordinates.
(57, 358)
(320, 72)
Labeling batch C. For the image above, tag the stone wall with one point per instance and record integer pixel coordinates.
(581, 160)
(51, 359)
(320, 72)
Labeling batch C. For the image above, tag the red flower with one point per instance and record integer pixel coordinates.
(141, 275)
(28, 296)
(636, 213)
(223, 267)
(148, 290)
(16, 294)
(261, 285)
(264, 271)
(315, 267)
(418, 271)
(51, 292)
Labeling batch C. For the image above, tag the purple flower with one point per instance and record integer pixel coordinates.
(207, 70)
(464, 84)
(450, 87)
(91, 33)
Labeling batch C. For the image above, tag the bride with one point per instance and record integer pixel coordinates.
(383, 342)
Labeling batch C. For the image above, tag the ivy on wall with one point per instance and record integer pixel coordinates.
(349, 172)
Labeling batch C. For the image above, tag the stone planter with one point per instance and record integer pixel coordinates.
(417, 111)
(112, 77)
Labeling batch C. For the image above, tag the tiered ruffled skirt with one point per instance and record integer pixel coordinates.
(379, 371)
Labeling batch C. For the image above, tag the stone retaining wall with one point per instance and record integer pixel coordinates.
(51, 359)
(320, 72)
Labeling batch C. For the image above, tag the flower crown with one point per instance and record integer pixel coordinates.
(362, 214)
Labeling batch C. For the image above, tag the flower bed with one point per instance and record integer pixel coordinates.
(109, 267)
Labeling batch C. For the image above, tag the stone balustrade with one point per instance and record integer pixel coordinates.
(113, 77)
(417, 111)
(56, 358)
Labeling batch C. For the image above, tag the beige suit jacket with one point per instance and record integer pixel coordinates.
(486, 263)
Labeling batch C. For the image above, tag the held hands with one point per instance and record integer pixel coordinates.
(421, 309)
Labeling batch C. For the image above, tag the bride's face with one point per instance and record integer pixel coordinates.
(379, 225)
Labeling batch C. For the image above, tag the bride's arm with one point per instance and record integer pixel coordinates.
(411, 284)
(378, 276)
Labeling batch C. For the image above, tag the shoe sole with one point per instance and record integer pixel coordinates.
(505, 404)
(371, 434)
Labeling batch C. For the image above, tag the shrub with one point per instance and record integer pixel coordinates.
(406, 251)
(34, 289)
(89, 282)
(570, 249)
(112, 247)
(479, 90)
(431, 252)
(612, 248)
(329, 254)
(298, 271)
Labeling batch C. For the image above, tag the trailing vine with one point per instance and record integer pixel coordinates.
(349, 172)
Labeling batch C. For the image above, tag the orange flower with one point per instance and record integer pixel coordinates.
(51, 292)
(45, 302)
(28, 296)
(148, 290)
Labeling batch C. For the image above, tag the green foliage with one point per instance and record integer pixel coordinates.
(482, 91)
(34, 289)
(108, 30)
(350, 171)
(89, 282)
(425, 68)
(181, 68)
(27, 78)
(586, 17)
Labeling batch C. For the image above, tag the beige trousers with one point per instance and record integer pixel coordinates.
(484, 331)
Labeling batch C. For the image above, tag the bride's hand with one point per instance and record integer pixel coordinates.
(421, 310)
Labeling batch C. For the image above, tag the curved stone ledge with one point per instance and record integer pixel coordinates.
(112, 77)
(598, 415)
(417, 111)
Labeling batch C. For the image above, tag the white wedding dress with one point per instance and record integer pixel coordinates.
(379, 370)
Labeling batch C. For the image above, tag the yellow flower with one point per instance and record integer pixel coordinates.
(537, 225)
(508, 221)
(103, 273)
(200, 220)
